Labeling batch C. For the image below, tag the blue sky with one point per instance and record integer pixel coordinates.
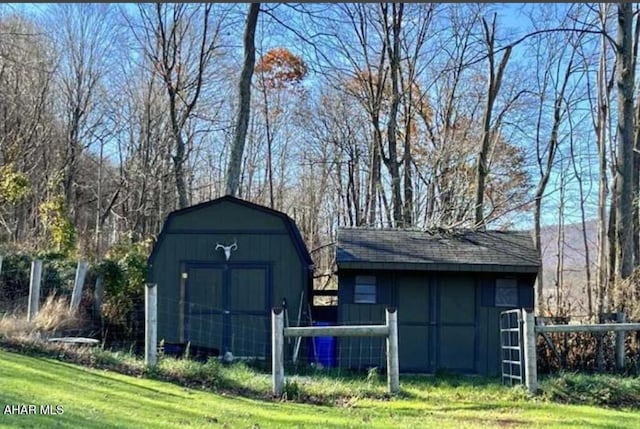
(511, 17)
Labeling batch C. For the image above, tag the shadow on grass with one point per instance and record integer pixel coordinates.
(332, 386)
(87, 402)
(69, 418)
(109, 379)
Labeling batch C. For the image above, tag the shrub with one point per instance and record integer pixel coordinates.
(14, 185)
(124, 271)
(58, 274)
(190, 372)
(592, 389)
(57, 225)
(57, 278)
(577, 351)
(13, 326)
(14, 281)
(54, 315)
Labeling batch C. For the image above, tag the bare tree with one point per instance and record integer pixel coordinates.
(625, 66)
(554, 86)
(588, 287)
(85, 36)
(496, 73)
(28, 128)
(603, 90)
(560, 309)
(181, 40)
(244, 106)
(392, 33)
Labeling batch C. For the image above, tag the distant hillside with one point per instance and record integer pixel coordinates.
(574, 250)
(574, 260)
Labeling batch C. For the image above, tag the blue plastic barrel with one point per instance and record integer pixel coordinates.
(325, 348)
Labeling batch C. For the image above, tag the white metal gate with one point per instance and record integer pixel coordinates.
(511, 347)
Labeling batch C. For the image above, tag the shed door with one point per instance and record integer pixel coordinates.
(248, 317)
(457, 324)
(204, 310)
(227, 308)
(414, 327)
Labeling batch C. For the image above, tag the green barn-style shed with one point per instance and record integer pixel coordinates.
(449, 289)
(220, 266)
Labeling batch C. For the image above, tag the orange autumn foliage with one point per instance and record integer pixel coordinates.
(280, 68)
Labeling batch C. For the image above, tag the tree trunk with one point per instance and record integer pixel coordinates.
(585, 240)
(178, 171)
(625, 157)
(540, 304)
(613, 245)
(636, 195)
(269, 135)
(635, 179)
(374, 176)
(408, 180)
(560, 240)
(242, 120)
(545, 171)
(494, 82)
(392, 163)
(601, 136)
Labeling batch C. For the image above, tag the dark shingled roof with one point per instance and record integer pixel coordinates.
(396, 249)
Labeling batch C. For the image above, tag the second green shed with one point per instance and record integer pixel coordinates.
(449, 288)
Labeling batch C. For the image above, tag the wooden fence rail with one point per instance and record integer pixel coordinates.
(602, 327)
(388, 330)
(530, 330)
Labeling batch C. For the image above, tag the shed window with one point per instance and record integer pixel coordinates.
(506, 293)
(365, 290)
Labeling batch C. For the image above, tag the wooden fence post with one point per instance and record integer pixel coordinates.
(530, 358)
(393, 367)
(34, 289)
(98, 296)
(151, 324)
(277, 350)
(78, 285)
(620, 335)
(599, 351)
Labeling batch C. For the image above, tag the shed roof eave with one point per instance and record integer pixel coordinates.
(406, 266)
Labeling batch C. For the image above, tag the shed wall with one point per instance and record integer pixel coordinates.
(443, 321)
(189, 240)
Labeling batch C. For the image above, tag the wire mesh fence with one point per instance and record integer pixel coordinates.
(200, 331)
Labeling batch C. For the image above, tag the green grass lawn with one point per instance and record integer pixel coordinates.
(103, 399)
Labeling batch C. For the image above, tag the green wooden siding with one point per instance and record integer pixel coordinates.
(362, 353)
(359, 352)
(456, 342)
(264, 270)
(414, 322)
(227, 215)
(442, 323)
(204, 322)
